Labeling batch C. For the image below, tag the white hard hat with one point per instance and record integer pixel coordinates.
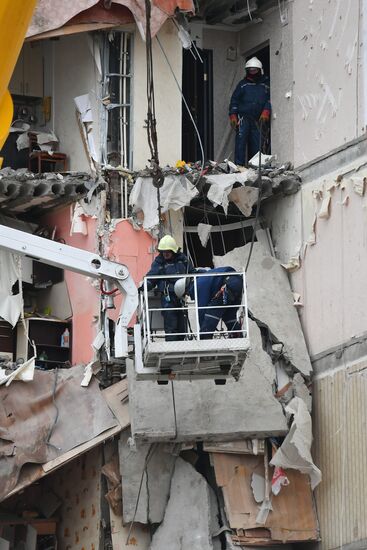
(180, 287)
(254, 63)
(167, 243)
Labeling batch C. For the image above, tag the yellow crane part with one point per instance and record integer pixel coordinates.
(15, 16)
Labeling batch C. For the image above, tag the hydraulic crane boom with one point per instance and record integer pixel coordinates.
(83, 262)
(15, 16)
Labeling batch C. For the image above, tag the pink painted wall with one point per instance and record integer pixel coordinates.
(127, 246)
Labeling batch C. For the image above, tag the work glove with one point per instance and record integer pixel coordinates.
(233, 119)
(265, 116)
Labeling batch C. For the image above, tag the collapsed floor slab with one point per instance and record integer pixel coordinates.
(188, 522)
(204, 411)
(146, 472)
(270, 301)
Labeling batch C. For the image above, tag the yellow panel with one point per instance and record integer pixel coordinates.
(15, 16)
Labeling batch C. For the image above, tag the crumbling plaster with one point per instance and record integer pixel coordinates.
(167, 98)
(331, 279)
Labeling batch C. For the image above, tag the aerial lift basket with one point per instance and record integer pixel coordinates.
(190, 356)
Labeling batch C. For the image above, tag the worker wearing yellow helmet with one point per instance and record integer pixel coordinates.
(170, 261)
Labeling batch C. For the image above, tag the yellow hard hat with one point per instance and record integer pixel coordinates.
(167, 243)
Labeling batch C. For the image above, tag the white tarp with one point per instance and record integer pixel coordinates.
(295, 451)
(176, 192)
(221, 185)
(11, 306)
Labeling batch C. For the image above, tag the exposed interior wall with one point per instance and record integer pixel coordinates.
(167, 98)
(83, 295)
(331, 279)
(281, 75)
(74, 73)
(225, 77)
(78, 485)
(124, 245)
(326, 44)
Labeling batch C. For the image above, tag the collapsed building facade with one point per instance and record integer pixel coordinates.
(92, 457)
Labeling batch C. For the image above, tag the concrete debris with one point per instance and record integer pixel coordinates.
(271, 302)
(295, 451)
(208, 412)
(153, 462)
(190, 521)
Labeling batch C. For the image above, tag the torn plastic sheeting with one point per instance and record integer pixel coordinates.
(295, 451)
(50, 15)
(176, 192)
(221, 185)
(11, 306)
(204, 233)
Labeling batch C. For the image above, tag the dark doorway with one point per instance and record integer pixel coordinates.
(263, 53)
(197, 87)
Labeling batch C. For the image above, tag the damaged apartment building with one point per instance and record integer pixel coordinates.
(96, 456)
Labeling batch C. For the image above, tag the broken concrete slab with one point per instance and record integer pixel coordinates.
(204, 411)
(188, 522)
(155, 463)
(270, 301)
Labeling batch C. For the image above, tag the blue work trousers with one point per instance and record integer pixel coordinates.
(247, 140)
(174, 321)
(214, 315)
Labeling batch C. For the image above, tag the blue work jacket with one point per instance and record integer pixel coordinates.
(179, 265)
(207, 287)
(250, 97)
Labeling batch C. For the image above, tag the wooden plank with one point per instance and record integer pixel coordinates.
(237, 447)
(293, 517)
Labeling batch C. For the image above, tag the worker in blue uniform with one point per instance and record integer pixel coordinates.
(170, 261)
(249, 106)
(218, 291)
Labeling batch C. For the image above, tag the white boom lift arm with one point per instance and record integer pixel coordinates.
(83, 262)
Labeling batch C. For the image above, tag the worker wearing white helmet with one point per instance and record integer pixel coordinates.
(170, 261)
(249, 105)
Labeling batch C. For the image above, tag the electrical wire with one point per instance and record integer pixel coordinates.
(258, 200)
(248, 9)
(189, 113)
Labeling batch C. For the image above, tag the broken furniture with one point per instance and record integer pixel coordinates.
(191, 356)
(46, 334)
(44, 158)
